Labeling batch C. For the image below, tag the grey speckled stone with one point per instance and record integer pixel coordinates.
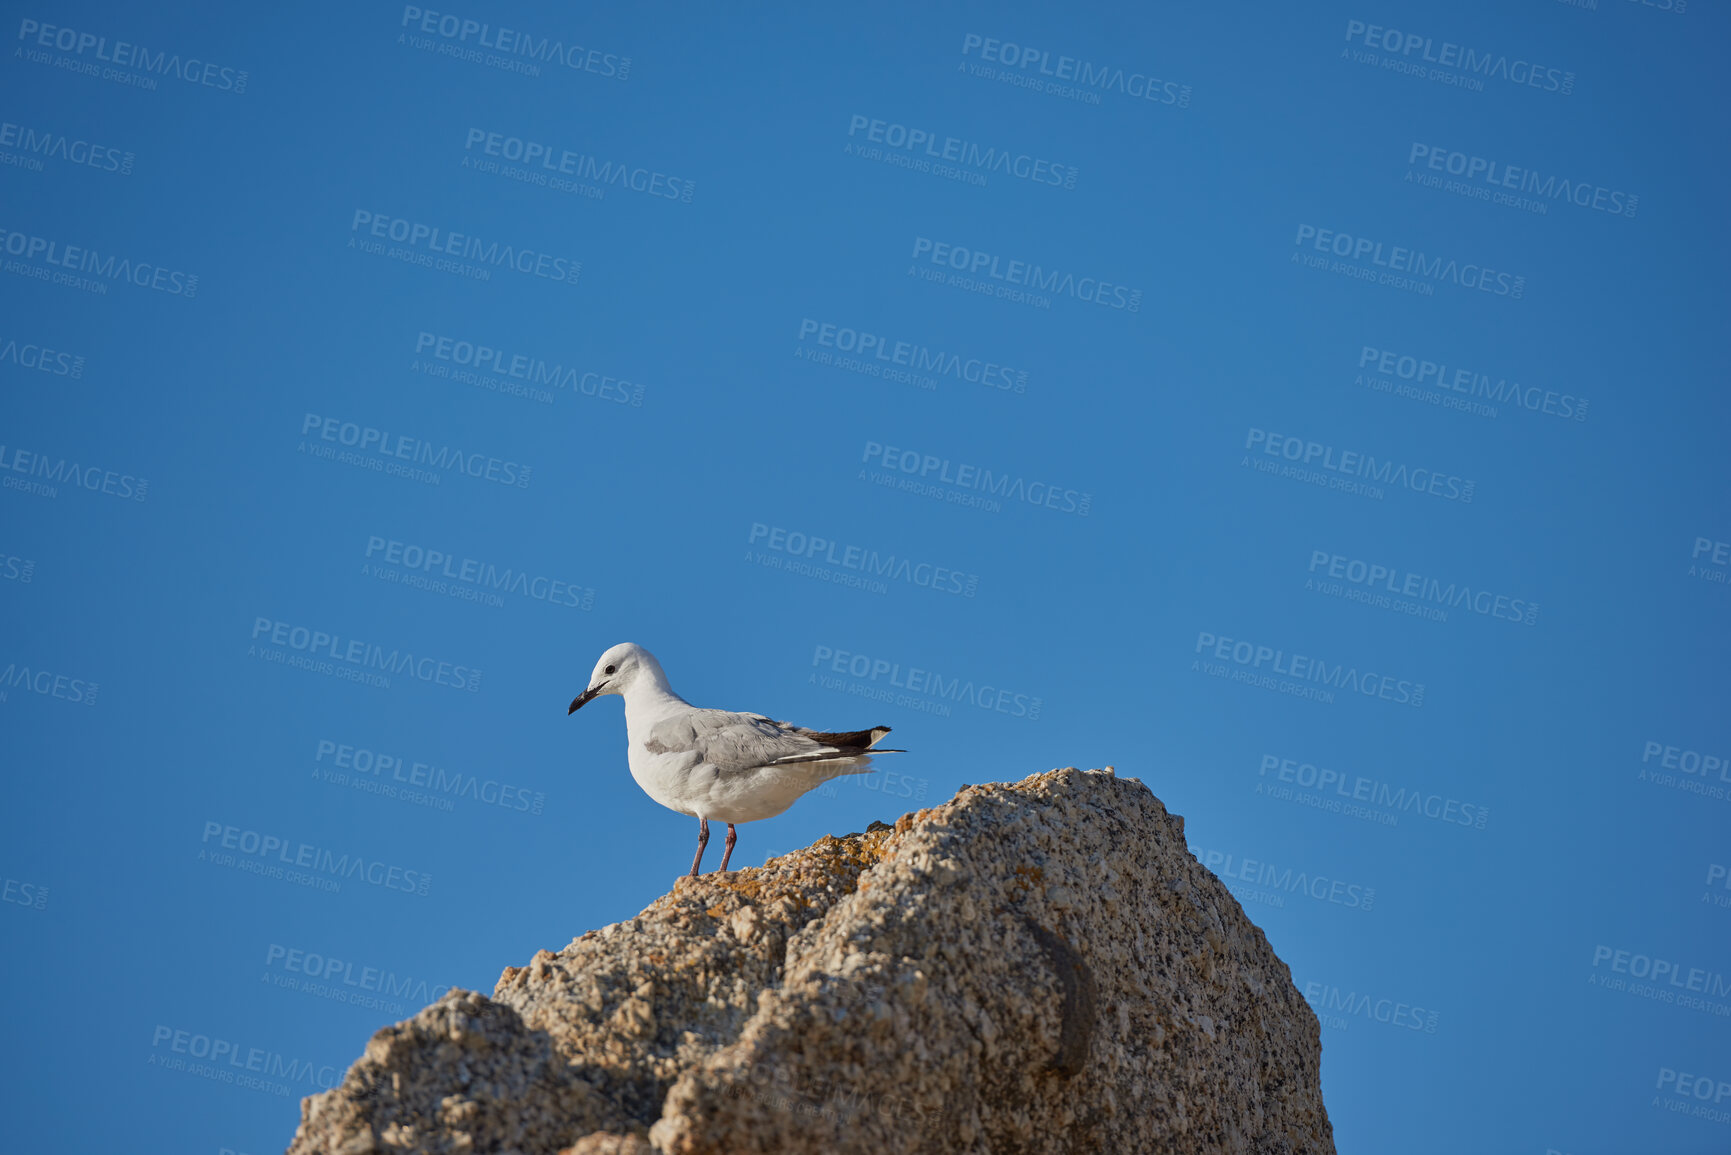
(1031, 967)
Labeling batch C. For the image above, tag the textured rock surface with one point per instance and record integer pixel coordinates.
(1031, 967)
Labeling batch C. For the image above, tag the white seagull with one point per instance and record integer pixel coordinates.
(718, 764)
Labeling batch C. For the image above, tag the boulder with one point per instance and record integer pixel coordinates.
(1030, 967)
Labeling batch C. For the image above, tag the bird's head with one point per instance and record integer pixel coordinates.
(620, 668)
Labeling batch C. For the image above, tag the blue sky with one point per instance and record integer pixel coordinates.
(1332, 234)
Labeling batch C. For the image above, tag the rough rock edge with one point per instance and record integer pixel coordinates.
(608, 1103)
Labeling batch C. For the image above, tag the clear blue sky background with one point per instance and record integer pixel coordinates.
(117, 934)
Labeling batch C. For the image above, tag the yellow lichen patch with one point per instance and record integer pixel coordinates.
(744, 883)
(851, 856)
(1027, 877)
(805, 878)
(877, 844)
(715, 912)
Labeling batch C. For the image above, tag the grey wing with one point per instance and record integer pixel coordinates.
(733, 741)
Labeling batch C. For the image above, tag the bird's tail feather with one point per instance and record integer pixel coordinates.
(877, 733)
(842, 745)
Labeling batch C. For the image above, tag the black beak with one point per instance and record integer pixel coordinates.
(580, 699)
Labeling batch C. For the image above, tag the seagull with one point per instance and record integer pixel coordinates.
(732, 767)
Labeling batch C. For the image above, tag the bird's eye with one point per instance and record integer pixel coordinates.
(609, 670)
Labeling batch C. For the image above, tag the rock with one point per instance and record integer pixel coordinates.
(607, 1143)
(1031, 967)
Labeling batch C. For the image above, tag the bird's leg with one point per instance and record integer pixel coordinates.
(702, 841)
(732, 837)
